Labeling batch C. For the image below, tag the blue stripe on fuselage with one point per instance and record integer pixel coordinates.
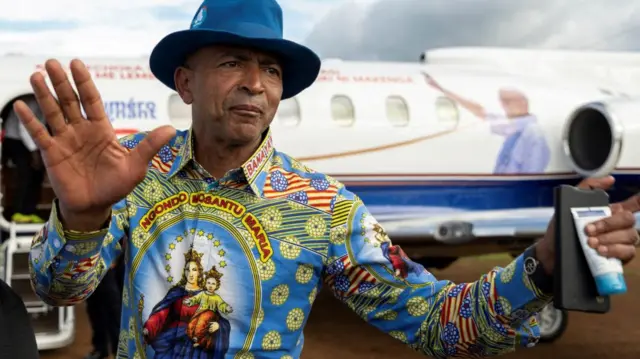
(474, 194)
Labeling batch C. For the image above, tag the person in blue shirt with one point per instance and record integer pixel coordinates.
(226, 240)
(525, 149)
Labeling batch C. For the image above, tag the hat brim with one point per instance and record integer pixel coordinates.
(300, 64)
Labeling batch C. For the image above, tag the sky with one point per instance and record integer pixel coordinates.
(396, 30)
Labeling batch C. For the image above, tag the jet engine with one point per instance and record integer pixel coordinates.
(602, 136)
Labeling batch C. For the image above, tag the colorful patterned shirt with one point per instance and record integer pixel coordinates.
(230, 267)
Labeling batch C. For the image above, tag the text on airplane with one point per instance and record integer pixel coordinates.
(130, 109)
(336, 76)
(112, 72)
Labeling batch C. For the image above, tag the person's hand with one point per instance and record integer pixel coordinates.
(431, 82)
(614, 237)
(88, 169)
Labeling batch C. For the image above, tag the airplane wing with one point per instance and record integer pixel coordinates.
(456, 227)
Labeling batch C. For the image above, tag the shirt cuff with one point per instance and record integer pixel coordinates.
(519, 297)
(55, 224)
(535, 270)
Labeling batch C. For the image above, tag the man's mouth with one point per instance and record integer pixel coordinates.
(247, 110)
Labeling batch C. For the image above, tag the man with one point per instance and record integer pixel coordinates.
(525, 149)
(104, 307)
(222, 229)
(20, 148)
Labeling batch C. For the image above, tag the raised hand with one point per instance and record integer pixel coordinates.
(431, 81)
(88, 169)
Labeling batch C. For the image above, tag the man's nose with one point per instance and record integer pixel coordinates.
(252, 80)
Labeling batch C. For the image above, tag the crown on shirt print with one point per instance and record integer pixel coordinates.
(213, 273)
(192, 256)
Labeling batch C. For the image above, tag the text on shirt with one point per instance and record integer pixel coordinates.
(226, 205)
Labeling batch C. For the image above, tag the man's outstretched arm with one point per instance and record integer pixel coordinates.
(488, 317)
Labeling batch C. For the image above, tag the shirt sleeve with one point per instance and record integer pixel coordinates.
(441, 319)
(67, 266)
(499, 124)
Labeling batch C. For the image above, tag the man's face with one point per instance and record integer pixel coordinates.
(514, 103)
(234, 92)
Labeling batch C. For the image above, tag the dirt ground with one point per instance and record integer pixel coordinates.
(335, 332)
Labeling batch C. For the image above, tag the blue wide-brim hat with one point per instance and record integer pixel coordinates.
(252, 23)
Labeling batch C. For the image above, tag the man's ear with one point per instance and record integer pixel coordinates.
(182, 78)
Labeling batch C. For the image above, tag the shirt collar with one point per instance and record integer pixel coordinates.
(254, 169)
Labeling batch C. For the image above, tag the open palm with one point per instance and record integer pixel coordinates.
(88, 169)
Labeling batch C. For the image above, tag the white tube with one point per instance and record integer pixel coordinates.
(607, 272)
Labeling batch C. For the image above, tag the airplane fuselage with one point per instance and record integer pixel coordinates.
(406, 143)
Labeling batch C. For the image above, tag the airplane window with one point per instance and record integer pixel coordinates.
(179, 112)
(397, 111)
(289, 112)
(342, 110)
(447, 112)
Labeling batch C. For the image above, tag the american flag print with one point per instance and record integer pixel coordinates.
(82, 266)
(347, 279)
(457, 311)
(315, 192)
(164, 159)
